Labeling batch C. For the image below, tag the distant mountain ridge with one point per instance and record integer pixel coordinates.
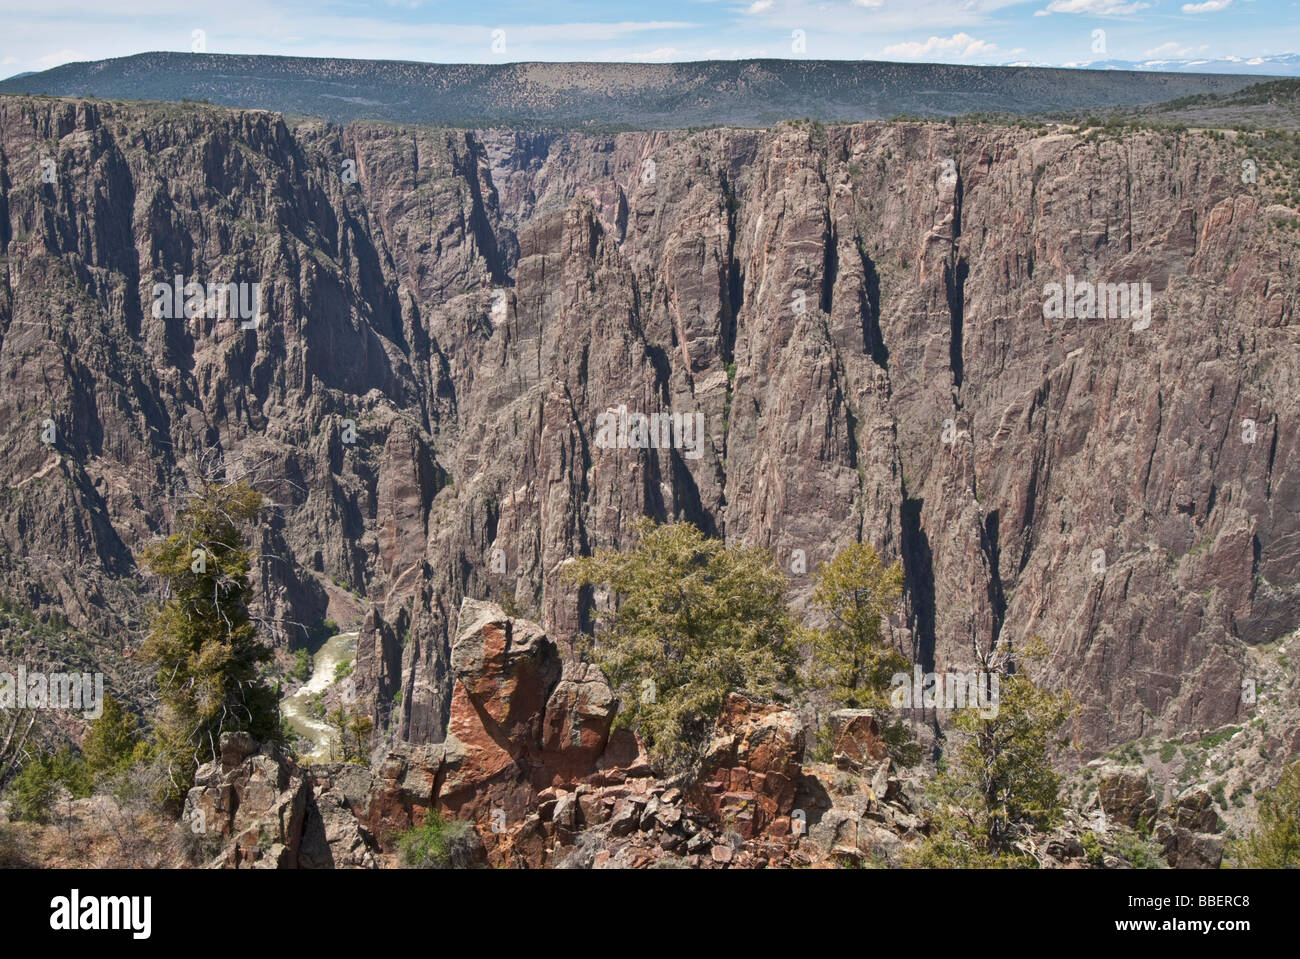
(1280, 65)
(640, 96)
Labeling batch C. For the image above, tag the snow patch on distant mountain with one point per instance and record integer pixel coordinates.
(1279, 65)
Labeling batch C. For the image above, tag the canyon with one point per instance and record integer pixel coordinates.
(856, 313)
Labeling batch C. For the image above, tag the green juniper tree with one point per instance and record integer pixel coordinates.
(113, 741)
(201, 639)
(45, 778)
(851, 658)
(999, 781)
(1275, 844)
(696, 620)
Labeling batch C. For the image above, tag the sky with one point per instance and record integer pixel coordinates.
(43, 34)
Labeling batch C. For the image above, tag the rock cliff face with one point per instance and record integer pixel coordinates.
(856, 315)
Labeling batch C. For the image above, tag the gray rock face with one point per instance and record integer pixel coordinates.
(1126, 795)
(253, 803)
(1194, 810)
(856, 316)
(1185, 849)
(333, 838)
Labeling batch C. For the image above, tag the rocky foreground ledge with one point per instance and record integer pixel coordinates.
(532, 760)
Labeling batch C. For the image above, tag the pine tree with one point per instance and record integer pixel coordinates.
(353, 730)
(851, 658)
(110, 745)
(44, 779)
(1275, 844)
(696, 620)
(999, 780)
(202, 640)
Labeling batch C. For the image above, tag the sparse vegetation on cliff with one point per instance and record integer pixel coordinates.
(439, 843)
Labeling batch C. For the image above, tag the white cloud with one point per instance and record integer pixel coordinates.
(958, 45)
(1094, 8)
(1209, 6)
(63, 56)
(1173, 49)
(663, 53)
(759, 6)
(346, 28)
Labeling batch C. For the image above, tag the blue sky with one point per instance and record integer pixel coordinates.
(44, 33)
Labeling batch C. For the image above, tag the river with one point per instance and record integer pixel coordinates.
(335, 650)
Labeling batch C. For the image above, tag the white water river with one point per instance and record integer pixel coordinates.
(335, 650)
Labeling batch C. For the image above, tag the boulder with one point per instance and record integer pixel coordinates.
(254, 800)
(1125, 794)
(576, 724)
(1194, 810)
(752, 767)
(884, 785)
(504, 671)
(333, 838)
(855, 738)
(836, 828)
(1185, 849)
(507, 669)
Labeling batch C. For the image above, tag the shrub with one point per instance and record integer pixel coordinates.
(1092, 850)
(823, 749)
(12, 853)
(1139, 851)
(110, 744)
(197, 848)
(439, 844)
(301, 669)
(316, 705)
(44, 779)
(900, 742)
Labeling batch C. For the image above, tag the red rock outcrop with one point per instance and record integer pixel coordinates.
(529, 759)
